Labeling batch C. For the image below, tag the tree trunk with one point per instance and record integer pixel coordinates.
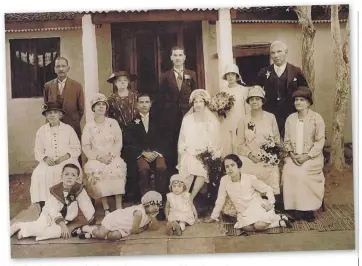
(304, 14)
(341, 95)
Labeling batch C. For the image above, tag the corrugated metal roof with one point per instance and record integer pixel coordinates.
(281, 21)
(24, 17)
(44, 29)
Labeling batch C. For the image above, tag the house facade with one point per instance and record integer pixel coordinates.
(98, 43)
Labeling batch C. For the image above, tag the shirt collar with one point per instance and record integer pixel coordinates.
(282, 67)
(144, 116)
(62, 82)
(178, 70)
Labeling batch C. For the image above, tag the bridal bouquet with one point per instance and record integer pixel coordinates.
(222, 103)
(271, 152)
(211, 159)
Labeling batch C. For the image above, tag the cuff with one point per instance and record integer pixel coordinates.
(159, 154)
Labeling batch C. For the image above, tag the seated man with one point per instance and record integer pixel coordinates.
(143, 145)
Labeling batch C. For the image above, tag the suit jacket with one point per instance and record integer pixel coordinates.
(281, 109)
(138, 140)
(73, 103)
(172, 103)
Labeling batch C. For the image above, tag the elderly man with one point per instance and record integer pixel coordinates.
(68, 92)
(172, 102)
(280, 80)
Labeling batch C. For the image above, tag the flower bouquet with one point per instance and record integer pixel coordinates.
(222, 103)
(271, 152)
(211, 159)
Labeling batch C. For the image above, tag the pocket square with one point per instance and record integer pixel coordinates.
(295, 79)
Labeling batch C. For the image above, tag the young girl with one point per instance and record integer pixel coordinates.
(123, 222)
(179, 209)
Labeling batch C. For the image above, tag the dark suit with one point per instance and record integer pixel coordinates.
(72, 100)
(171, 105)
(138, 140)
(279, 91)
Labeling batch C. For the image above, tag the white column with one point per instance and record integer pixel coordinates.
(224, 41)
(90, 63)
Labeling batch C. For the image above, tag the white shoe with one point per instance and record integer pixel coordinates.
(14, 228)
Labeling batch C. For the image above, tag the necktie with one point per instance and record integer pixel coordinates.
(179, 80)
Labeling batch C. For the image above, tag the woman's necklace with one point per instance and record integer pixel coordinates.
(99, 125)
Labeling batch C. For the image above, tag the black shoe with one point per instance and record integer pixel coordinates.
(309, 217)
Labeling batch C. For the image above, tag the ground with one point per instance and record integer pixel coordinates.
(339, 190)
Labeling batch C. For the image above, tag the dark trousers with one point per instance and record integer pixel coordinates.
(144, 173)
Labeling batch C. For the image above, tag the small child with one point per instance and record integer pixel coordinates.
(123, 222)
(179, 209)
(59, 209)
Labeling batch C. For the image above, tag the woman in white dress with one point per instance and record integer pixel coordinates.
(253, 212)
(253, 131)
(56, 144)
(102, 143)
(199, 131)
(303, 178)
(237, 112)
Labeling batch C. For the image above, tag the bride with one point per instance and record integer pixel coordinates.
(199, 131)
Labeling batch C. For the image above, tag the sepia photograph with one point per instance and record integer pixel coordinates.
(180, 131)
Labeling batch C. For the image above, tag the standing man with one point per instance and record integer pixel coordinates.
(280, 80)
(176, 86)
(68, 92)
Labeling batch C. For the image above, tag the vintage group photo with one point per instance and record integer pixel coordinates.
(193, 131)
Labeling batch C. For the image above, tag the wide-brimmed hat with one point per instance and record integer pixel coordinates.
(232, 68)
(304, 92)
(131, 77)
(99, 97)
(256, 91)
(203, 94)
(151, 198)
(52, 106)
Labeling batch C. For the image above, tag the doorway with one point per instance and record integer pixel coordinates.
(144, 48)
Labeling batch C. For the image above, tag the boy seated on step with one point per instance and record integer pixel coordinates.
(61, 208)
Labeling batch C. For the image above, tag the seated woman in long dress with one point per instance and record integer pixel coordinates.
(102, 143)
(56, 144)
(303, 178)
(253, 131)
(238, 111)
(253, 212)
(199, 131)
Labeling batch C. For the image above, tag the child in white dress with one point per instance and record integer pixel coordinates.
(60, 208)
(179, 209)
(123, 222)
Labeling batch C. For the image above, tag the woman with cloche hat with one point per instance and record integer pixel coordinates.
(56, 144)
(238, 111)
(123, 101)
(303, 178)
(102, 144)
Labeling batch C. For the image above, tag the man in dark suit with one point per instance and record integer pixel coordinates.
(144, 147)
(280, 80)
(175, 89)
(68, 92)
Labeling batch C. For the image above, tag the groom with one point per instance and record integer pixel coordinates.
(172, 102)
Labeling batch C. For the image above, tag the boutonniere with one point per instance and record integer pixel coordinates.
(187, 77)
(137, 121)
(71, 198)
(251, 125)
(267, 74)
(295, 79)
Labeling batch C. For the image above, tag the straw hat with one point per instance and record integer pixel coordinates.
(232, 68)
(99, 97)
(117, 74)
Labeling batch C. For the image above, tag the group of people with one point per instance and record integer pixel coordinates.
(148, 148)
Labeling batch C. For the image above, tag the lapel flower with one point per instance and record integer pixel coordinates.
(251, 125)
(187, 77)
(267, 74)
(71, 198)
(137, 121)
(295, 79)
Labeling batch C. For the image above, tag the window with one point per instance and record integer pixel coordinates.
(32, 65)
